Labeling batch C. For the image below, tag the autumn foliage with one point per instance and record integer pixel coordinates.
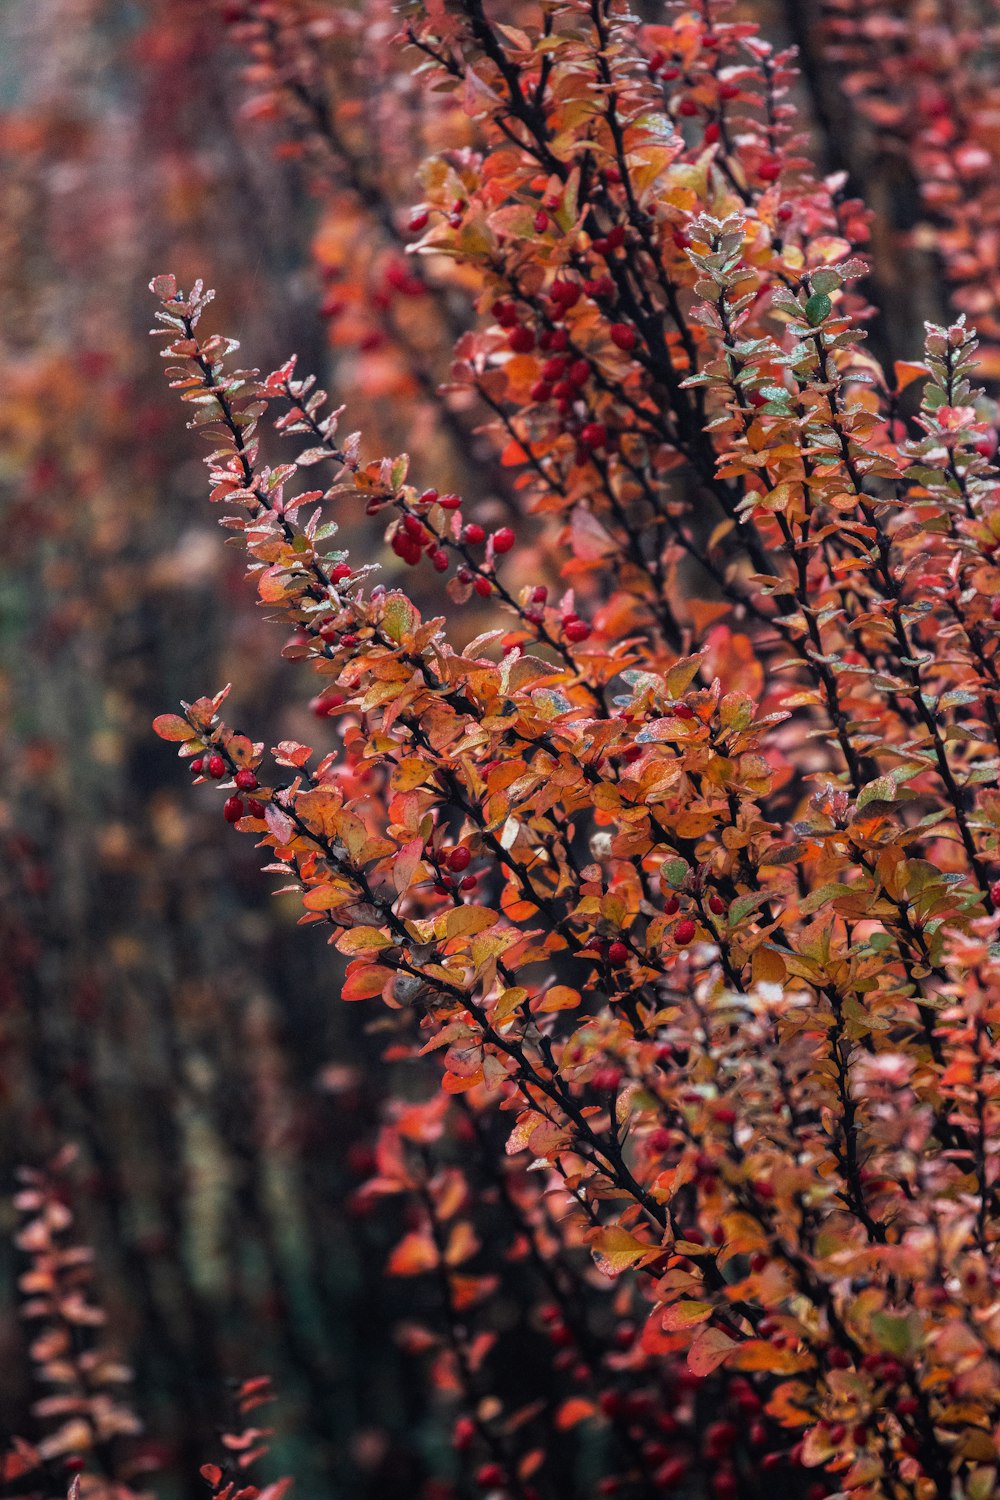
(651, 813)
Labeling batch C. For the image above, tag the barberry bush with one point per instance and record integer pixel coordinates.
(676, 886)
(650, 806)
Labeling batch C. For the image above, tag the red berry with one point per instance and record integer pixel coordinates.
(246, 780)
(716, 905)
(576, 631)
(196, 765)
(540, 391)
(684, 932)
(565, 293)
(712, 133)
(617, 955)
(994, 888)
(474, 534)
(439, 559)
(505, 314)
(656, 61)
(450, 502)
(503, 539)
(255, 808)
(483, 587)
(428, 497)
(489, 1476)
(521, 340)
(216, 767)
(579, 371)
(463, 1434)
(232, 809)
(616, 237)
(340, 572)
(541, 221)
(459, 859)
(468, 883)
(687, 107)
(594, 435)
(769, 169)
(418, 221)
(671, 905)
(623, 335)
(995, 611)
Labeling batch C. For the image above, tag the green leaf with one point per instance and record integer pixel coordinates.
(901, 1334)
(818, 308)
(882, 789)
(398, 617)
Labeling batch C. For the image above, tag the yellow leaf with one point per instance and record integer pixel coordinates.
(761, 1354)
(614, 1249)
(362, 940)
(463, 920)
(560, 997)
(686, 1314)
(508, 1003)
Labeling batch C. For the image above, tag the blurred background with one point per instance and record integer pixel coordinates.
(158, 1007)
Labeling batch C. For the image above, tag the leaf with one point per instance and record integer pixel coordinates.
(761, 1354)
(327, 897)
(686, 1314)
(508, 1003)
(576, 1409)
(415, 1254)
(362, 940)
(291, 753)
(709, 1350)
(463, 920)
(818, 308)
(614, 1249)
(559, 997)
(364, 981)
(405, 864)
(680, 676)
(907, 371)
(823, 895)
(882, 789)
(173, 727)
(901, 1334)
(398, 617)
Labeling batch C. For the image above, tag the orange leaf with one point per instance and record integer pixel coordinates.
(415, 1254)
(173, 727)
(575, 1410)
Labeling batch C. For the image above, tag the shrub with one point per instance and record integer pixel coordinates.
(677, 884)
